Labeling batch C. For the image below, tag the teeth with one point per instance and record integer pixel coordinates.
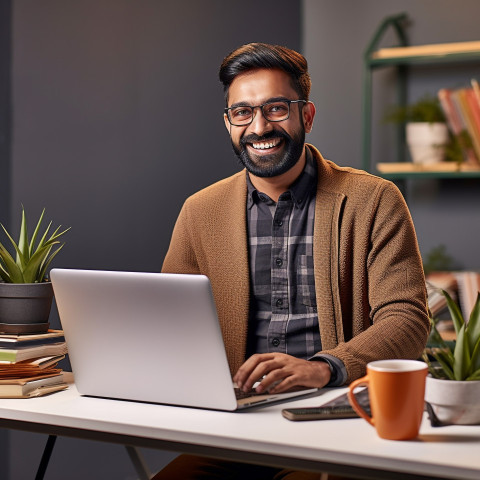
(266, 145)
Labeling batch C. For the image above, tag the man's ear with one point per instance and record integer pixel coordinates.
(308, 112)
(228, 125)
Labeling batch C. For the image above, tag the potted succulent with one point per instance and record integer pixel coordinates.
(25, 292)
(426, 132)
(453, 386)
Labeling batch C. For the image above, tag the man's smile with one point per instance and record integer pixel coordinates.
(265, 147)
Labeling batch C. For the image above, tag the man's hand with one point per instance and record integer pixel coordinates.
(279, 372)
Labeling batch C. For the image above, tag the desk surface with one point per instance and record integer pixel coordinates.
(260, 435)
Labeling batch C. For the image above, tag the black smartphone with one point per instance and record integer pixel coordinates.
(337, 408)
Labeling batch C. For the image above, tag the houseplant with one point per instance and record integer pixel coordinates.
(426, 132)
(453, 386)
(25, 292)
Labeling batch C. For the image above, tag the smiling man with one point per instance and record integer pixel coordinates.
(315, 268)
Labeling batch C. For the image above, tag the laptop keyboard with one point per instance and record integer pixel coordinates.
(240, 394)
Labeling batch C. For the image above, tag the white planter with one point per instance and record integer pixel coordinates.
(454, 401)
(426, 141)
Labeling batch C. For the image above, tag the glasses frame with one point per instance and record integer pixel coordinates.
(253, 107)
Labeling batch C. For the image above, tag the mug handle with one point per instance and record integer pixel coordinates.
(353, 400)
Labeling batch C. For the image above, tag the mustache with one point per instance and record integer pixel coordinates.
(254, 138)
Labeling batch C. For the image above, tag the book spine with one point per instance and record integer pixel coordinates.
(9, 356)
(4, 343)
(473, 99)
(451, 108)
(462, 95)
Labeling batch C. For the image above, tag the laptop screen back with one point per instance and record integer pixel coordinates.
(144, 336)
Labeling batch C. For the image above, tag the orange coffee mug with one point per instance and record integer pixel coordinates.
(396, 389)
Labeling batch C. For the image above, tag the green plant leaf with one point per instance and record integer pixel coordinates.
(35, 234)
(55, 235)
(426, 109)
(446, 361)
(14, 272)
(434, 338)
(31, 273)
(474, 376)
(44, 267)
(32, 259)
(20, 261)
(43, 240)
(4, 274)
(461, 354)
(455, 312)
(475, 357)
(473, 325)
(23, 242)
(431, 368)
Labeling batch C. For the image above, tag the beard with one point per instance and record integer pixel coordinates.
(276, 163)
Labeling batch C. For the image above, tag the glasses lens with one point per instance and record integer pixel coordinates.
(240, 115)
(276, 111)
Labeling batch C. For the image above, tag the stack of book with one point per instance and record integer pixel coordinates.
(29, 364)
(461, 107)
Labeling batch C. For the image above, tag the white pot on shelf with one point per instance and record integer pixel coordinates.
(454, 402)
(426, 141)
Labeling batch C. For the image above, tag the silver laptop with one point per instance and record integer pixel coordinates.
(152, 337)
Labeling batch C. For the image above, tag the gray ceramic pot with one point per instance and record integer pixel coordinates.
(25, 307)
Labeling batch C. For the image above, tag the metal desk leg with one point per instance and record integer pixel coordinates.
(47, 452)
(139, 463)
(135, 456)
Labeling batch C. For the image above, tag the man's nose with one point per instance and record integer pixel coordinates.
(259, 124)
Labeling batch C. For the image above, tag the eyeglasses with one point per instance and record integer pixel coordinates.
(276, 111)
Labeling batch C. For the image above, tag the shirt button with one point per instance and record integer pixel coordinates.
(279, 262)
(279, 302)
(275, 342)
(279, 223)
(263, 197)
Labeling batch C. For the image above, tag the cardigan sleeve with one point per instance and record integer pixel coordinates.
(180, 257)
(393, 321)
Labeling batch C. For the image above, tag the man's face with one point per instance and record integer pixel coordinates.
(265, 148)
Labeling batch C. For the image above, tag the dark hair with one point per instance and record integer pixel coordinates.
(262, 55)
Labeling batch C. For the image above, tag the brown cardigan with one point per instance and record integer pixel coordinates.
(369, 280)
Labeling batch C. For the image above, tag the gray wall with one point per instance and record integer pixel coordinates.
(335, 36)
(103, 135)
(117, 119)
(5, 104)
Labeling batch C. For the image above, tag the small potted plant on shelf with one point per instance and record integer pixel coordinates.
(453, 386)
(26, 294)
(426, 132)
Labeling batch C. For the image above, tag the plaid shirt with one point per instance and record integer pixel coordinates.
(283, 307)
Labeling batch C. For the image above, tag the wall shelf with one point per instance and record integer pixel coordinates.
(404, 170)
(430, 174)
(401, 57)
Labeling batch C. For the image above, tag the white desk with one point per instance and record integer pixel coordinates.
(262, 436)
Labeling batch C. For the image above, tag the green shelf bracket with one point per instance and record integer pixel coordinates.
(397, 23)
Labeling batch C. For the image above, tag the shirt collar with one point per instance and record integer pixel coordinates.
(300, 190)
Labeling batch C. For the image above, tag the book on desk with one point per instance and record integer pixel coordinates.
(28, 364)
(30, 340)
(32, 386)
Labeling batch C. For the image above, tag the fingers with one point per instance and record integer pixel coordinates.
(278, 372)
(276, 381)
(253, 370)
